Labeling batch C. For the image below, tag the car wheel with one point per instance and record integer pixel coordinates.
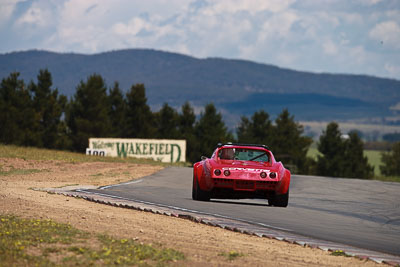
(194, 189)
(279, 200)
(198, 193)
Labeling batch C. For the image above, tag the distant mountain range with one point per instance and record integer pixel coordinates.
(237, 87)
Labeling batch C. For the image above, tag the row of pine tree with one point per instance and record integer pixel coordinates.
(37, 115)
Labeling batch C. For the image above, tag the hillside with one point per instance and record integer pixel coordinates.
(238, 87)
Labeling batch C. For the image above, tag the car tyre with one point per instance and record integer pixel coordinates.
(279, 200)
(198, 193)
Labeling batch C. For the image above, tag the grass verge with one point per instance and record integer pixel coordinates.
(387, 178)
(13, 171)
(32, 153)
(339, 253)
(231, 255)
(31, 242)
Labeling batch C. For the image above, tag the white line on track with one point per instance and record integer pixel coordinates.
(132, 182)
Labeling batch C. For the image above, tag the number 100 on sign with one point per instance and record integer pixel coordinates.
(96, 152)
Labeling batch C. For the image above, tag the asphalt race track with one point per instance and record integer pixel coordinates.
(360, 213)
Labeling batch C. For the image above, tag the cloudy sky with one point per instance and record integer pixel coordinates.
(337, 36)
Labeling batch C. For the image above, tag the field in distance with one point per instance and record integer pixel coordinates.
(369, 131)
(374, 158)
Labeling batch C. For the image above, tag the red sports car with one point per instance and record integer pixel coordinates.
(237, 171)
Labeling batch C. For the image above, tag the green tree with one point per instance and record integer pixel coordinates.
(243, 131)
(210, 130)
(391, 161)
(49, 107)
(167, 123)
(187, 118)
(139, 118)
(332, 148)
(88, 113)
(289, 144)
(17, 116)
(342, 157)
(117, 112)
(258, 130)
(356, 164)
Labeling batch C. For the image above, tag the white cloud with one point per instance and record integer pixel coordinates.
(98, 25)
(357, 54)
(7, 7)
(393, 14)
(371, 2)
(278, 26)
(329, 48)
(251, 6)
(134, 26)
(352, 18)
(33, 17)
(388, 33)
(392, 69)
(287, 58)
(76, 13)
(332, 19)
(331, 36)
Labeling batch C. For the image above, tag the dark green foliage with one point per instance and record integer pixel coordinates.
(332, 148)
(50, 131)
(117, 112)
(187, 118)
(167, 123)
(356, 164)
(391, 161)
(261, 128)
(139, 118)
(288, 143)
(210, 130)
(284, 138)
(17, 116)
(243, 131)
(88, 114)
(258, 130)
(342, 157)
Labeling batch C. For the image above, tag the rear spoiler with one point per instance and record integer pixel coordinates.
(239, 144)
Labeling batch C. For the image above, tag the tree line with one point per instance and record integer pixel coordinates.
(37, 115)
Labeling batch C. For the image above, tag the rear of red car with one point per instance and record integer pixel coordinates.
(237, 171)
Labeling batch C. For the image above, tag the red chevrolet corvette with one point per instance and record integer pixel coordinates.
(237, 171)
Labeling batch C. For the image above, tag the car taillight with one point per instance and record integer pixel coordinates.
(272, 175)
(263, 175)
(227, 173)
(217, 172)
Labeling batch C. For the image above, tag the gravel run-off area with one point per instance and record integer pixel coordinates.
(202, 245)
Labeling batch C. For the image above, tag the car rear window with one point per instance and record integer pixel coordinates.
(243, 154)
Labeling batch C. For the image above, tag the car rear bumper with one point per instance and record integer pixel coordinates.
(244, 185)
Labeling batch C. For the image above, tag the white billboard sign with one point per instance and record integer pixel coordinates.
(158, 149)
